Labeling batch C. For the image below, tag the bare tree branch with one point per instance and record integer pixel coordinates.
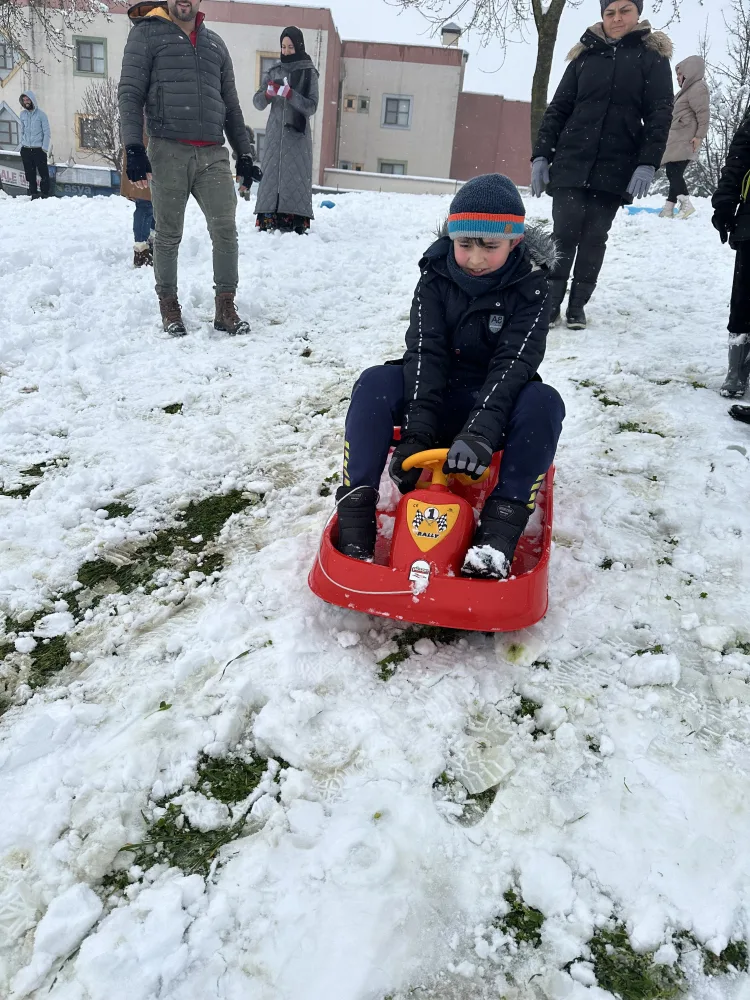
(102, 122)
(33, 27)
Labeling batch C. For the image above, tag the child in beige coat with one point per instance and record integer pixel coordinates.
(690, 120)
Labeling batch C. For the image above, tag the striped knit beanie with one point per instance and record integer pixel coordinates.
(487, 207)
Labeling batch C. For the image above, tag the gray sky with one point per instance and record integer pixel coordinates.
(377, 20)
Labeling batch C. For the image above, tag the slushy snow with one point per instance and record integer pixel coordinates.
(361, 874)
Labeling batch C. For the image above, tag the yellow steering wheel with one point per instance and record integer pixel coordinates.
(434, 459)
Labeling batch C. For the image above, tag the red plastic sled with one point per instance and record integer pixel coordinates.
(415, 576)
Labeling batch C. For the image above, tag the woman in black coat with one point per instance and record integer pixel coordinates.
(732, 219)
(600, 142)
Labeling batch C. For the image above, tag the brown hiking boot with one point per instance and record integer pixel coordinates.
(143, 255)
(226, 317)
(171, 316)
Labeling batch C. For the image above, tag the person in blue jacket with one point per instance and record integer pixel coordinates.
(35, 142)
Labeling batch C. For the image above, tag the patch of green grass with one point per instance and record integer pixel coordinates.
(606, 563)
(698, 385)
(523, 922)
(593, 744)
(173, 408)
(658, 648)
(526, 708)
(230, 779)
(35, 473)
(740, 646)
(734, 957)
(202, 519)
(325, 486)
(664, 561)
(405, 641)
(118, 509)
(622, 971)
(630, 425)
(48, 658)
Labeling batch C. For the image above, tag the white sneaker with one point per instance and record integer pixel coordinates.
(668, 211)
(686, 207)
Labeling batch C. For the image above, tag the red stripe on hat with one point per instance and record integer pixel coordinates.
(460, 216)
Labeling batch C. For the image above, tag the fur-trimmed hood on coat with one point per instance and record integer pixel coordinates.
(538, 241)
(656, 41)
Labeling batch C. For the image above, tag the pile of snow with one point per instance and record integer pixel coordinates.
(624, 791)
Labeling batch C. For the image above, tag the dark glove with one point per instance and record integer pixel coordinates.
(407, 446)
(469, 454)
(641, 180)
(247, 170)
(137, 165)
(724, 222)
(539, 176)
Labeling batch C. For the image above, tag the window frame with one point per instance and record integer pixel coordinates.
(363, 99)
(384, 111)
(90, 40)
(82, 117)
(349, 102)
(8, 52)
(393, 163)
(12, 123)
(259, 57)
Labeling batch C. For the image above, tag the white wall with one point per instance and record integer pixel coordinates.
(60, 90)
(351, 180)
(427, 145)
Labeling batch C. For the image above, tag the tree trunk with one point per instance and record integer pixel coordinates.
(547, 25)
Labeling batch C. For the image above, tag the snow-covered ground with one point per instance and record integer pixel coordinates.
(623, 798)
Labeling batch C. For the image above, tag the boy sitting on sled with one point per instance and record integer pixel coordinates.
(479, 323)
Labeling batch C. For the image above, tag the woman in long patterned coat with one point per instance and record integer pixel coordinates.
(290, 87)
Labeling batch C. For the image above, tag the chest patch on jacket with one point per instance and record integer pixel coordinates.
(496, 322)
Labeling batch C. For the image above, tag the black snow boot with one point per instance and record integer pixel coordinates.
(501, 524)
(735, 384)
(580, 293)
(357, 524)
(740, 413)
(557, 289)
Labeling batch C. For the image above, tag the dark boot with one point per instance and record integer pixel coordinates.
(357, 524)
(557, 289)
(740, 413)
(501, 524)
(738, 373)
(226, 318)
(580, 293)
(143, 255)
(171, 316)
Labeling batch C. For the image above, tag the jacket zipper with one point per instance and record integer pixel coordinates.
(281, 153)
(198, 75)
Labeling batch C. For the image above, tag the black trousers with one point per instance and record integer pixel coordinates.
(739, 311)
(35, 159)
(582, 220)
(676, 178)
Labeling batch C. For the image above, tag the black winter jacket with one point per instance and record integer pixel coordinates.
(188, 91)
(493, 343)
(611, 113)
(732, 192)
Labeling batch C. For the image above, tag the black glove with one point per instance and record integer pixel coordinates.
(469, 454)
(724, 222)
(407, 446)
(137, 165)
(248, 171)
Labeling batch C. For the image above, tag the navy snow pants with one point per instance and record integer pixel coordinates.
(377, 406)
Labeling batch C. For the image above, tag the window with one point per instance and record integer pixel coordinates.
(260, 145)
(391, 167)
(350, 103)
(347, 165)
(396, 112)
(6, 55)
(91, 56)
(265, 61)
(88, 132)
(363, 105)
(8, 133)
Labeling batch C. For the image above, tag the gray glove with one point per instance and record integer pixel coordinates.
(539, 176)
(640, 182)
(469, 454)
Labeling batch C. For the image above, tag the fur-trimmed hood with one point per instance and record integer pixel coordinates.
(537, 240)
(656, 41)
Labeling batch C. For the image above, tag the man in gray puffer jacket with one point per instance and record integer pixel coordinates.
(180, 73)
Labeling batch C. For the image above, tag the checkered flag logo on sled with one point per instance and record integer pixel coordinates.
(431, 515)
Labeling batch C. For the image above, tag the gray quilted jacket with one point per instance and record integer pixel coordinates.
(287, 158)
(188, 91)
